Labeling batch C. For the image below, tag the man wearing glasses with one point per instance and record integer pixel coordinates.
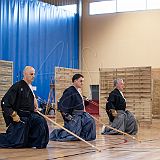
(71, 106)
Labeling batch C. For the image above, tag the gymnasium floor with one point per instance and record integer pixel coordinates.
(113, 147)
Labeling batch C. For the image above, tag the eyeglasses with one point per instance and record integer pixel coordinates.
(80, 81)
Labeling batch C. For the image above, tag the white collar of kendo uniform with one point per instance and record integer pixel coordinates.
(121, 93)
(31, 87)
(80, 93)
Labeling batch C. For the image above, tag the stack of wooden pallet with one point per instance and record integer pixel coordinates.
(6, 80)
(156, 92)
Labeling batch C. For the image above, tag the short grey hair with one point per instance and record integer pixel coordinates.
(26, 69)
(116, 81)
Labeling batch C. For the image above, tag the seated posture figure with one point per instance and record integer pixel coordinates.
(26, 128)
(119, 117)
(71, 106)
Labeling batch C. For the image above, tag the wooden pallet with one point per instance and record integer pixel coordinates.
(156, 93)
(6, 80)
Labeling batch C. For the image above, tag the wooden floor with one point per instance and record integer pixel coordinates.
(114, 147)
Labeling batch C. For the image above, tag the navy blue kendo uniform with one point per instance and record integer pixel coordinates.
(32, 130)
(71, 106)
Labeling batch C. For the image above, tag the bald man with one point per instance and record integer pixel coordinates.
(26, 128)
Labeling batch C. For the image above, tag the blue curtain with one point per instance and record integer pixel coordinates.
(38, 34)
